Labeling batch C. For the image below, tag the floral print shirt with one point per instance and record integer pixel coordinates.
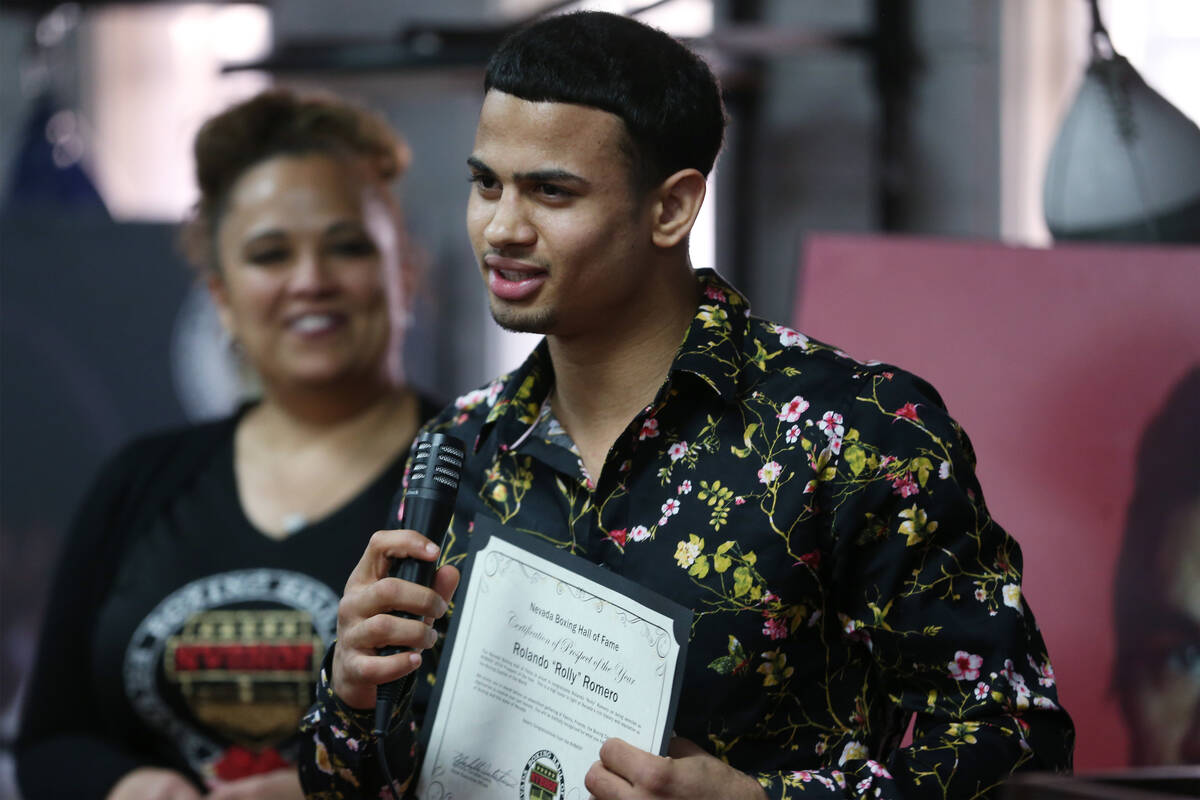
(822, 519)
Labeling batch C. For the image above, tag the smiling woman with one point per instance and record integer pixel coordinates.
(205, 565)
(309, 282)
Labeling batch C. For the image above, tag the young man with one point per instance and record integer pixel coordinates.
(819, 515)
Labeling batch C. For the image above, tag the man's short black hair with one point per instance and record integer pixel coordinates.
(665, 93)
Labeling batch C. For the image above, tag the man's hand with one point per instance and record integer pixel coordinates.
(364, 624)
(626, 773)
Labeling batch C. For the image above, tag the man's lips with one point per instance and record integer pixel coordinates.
(510, 279)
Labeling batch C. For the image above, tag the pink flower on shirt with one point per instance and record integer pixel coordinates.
(792, 409)
(770, 472)
(831, 424)
(774, 628)
(905, 486)
(965, 666)
(790, 338)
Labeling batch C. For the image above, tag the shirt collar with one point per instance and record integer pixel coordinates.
(521, 395)
(712, 346)
(711, 351)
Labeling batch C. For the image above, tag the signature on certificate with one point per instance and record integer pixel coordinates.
(482, 770)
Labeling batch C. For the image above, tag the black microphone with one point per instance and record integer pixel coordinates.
(437, 463)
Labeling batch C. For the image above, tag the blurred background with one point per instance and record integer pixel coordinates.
(967, 124)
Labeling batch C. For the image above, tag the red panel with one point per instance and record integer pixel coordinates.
(544, 782)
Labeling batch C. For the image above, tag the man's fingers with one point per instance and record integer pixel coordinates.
(603, 784)
(385, 546)
(386, 595)
(385, 630)
(361, 638)
(645, 770)
(365, 624)
(368, 671)
(616, 751)
(394, 594)
(682, 748)
(445, 582)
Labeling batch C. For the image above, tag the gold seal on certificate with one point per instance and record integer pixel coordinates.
(548, 655)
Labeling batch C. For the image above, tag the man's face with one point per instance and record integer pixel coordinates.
(561, 237)
(1165, 707)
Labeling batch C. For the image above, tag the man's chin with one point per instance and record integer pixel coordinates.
(515, 320)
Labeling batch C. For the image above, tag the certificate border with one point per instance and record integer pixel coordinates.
(481, 535)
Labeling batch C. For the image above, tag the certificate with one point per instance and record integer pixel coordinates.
(547, 656)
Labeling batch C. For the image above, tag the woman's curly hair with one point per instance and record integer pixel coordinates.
(273, 123)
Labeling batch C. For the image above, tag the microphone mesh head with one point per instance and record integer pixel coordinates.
(437, 462)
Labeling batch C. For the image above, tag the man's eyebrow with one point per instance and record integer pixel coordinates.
(552, 176)
(535, 176)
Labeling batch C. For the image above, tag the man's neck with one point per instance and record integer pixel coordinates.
(603, 379)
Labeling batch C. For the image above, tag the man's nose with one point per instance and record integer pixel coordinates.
(508, 224)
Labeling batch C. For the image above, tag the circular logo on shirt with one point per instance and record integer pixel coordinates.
(542, 778)
(241, 650)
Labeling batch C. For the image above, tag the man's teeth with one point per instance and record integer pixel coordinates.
(313, 322)
(510, 275)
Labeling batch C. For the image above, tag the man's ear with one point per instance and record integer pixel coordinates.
(677, 203)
